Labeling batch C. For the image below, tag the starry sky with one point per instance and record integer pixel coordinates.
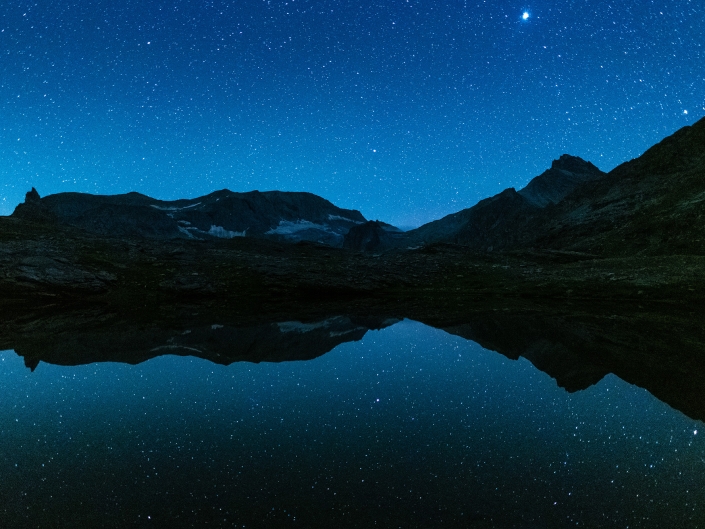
(404, 109)
(431, 427)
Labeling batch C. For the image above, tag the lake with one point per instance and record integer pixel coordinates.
(408, 427)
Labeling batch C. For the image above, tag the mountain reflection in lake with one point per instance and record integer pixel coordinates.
(409, 427)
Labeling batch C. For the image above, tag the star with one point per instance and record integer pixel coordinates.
(525, 15)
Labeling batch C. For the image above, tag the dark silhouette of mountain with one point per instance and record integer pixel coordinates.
(576, 344)
(93, 335)
(222, 214)
(489, 225)
(554, 184)
(653, 205)
(661, 353)
(492, 223)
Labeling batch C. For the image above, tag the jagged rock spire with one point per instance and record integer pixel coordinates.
(32, 197)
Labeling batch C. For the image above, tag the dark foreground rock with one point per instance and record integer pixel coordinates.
(40, 261)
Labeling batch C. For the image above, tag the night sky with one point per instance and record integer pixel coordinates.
(404, 109)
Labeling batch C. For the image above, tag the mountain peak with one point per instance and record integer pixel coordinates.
(554, 184)
(574, 164)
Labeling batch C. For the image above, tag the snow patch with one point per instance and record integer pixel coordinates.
(337, 217)
(174, 208)
(219, 231)
(287, 227)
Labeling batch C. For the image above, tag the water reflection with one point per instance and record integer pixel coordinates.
(405, 426)
(660, 349)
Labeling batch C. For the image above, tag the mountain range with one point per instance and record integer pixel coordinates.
(220, 215)
(494, 223)
(651, 205)
(518, 272)
(290, 216)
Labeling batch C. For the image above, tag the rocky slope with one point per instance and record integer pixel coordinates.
(487, 226)
(653, 205)
(554, 184)
(491, 224)
(223, 214)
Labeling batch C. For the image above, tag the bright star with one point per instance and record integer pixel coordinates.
(525, 15)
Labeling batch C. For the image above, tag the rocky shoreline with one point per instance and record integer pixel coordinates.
(39, 260)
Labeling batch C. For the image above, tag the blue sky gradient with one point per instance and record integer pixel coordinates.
(405, 110)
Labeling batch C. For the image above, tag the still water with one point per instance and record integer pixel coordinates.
(409, 427)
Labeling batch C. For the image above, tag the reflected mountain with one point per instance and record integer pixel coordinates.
(76, 339)
(662, 354)
(657, 348)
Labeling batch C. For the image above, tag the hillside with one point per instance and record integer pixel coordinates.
(652, 205)
(223, 214)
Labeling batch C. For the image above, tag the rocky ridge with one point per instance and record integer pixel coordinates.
(490, 225)
(223, 214)
(652, 205)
